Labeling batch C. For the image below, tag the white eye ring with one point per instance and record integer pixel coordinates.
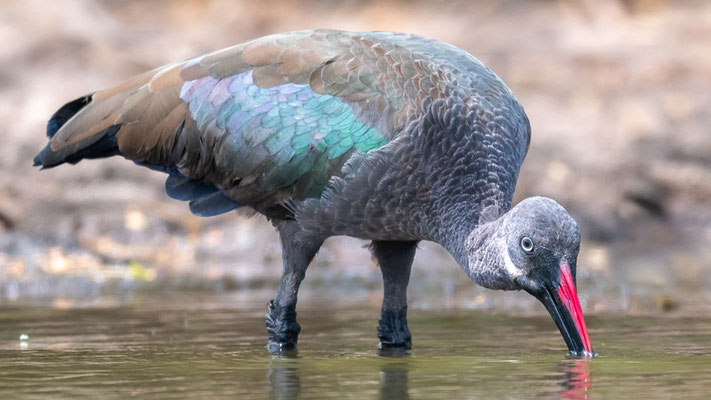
(527, 244)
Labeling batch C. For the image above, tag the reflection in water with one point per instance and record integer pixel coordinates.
(124, 352)
(577, 380)
(394, 352)
(393, 375)
(284, 382)
(393, 382)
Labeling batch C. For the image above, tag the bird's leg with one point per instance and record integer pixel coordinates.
(395, 259)
(298, 249)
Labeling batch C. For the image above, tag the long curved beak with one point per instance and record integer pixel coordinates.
(563, 305)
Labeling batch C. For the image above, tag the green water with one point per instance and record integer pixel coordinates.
(198, 349)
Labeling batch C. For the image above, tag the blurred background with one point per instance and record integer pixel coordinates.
(618, 94)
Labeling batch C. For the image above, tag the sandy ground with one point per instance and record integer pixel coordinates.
(618, 94)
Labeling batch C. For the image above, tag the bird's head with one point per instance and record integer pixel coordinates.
(534, 247)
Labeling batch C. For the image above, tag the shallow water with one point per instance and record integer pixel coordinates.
(204, 349)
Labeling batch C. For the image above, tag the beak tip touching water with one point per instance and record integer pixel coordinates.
(564, 307)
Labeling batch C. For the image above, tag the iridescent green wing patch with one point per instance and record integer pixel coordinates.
(281, 136)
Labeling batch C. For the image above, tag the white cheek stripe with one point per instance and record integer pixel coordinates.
(510, 267)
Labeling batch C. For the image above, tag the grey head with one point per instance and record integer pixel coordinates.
(534, 247)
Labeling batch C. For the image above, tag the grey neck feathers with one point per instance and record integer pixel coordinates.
(475, 152)
(480, 252)
(472, 170)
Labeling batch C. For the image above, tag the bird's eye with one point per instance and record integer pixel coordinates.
(527, 244)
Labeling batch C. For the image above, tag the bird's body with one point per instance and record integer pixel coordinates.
(388, 137)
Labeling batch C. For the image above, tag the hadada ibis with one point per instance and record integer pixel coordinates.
(388, 137)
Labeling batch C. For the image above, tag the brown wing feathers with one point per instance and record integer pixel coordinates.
(385, 84)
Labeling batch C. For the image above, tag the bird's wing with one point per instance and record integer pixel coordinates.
(282, 113)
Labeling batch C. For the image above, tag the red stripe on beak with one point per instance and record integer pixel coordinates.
(569, 296)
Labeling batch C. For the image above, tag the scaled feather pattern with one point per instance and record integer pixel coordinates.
(369, 134)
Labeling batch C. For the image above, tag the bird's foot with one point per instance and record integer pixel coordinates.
(282, 327)
(393, 331)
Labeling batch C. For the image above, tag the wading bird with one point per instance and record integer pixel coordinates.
(387, 137)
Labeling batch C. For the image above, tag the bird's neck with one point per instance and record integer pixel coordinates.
(481, 253)
(472, 171)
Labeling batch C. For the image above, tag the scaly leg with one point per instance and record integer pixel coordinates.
(298, 249)
(395, 259)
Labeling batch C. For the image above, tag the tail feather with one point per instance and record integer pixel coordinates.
(87, 127)
(80, 129)
(106, 146)
(205, 199)
(143, 120)
(212, 204)
(65, 113)
(180, 187)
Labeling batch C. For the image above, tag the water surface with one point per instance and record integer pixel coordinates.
(208, 349)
